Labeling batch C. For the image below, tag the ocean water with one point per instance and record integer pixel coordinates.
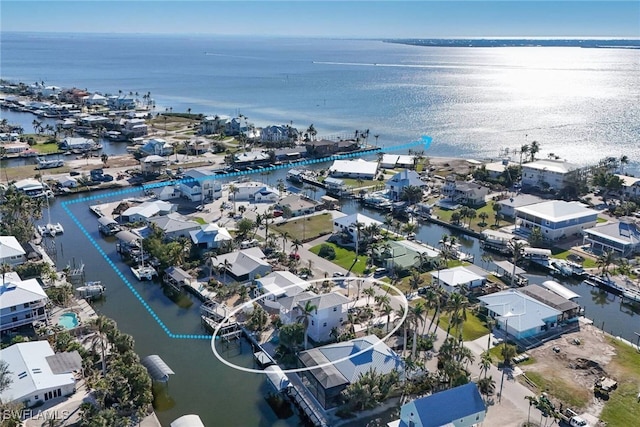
(580, 104)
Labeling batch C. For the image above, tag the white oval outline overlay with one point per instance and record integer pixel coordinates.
(404, 301)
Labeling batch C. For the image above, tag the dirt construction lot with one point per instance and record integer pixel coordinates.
(568, 367)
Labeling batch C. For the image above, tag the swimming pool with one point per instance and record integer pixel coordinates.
(68, 320)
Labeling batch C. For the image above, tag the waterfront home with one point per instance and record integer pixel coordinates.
(348, 224)
(402, 255)
(153, 164)
(133, 128)
(335, 185)
(77, 143)
(630, 186)
(199, 185)
(330, 311)
(175, 225)
(277, 283)
(210, 236)
(93, 120)
(108, 226)
(324, 147)
(289, 153)
(391, 161)
(295, 205)
(13, 149)
(520, 315)
(245, 265)
(213, 124)
(556, 219)
(146, 210)
(67, 181)
(505, 270)
(255, 192)
(11, 252)
(623, 238)
(278, 134)
(121, 102)
(460, 406)
(569, 309)
(401, 180)
(249, 158)
(357, 169)
(199, 146)
(327, 383)
(157, 146)
(22, 302)
(33, 188)
(463, 192)
(547, 174)
(456, 278)
(509, 205)
(127, 242)
(176, 277)
(495, 170)
(95, 99)
(38, 374)
(234, 127)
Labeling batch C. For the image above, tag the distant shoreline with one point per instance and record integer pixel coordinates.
(522, 42)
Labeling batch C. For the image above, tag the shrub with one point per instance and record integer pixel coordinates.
(327, 251)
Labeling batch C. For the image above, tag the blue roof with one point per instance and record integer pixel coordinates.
(444, 407)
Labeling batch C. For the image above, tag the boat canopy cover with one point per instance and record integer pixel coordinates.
(277, 377)
(559, 289)
(158, 370)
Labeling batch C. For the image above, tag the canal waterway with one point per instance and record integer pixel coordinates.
(202, 385)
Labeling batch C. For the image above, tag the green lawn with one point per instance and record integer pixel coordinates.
(599, 220)
(344, 258)
(305, 229)
(562, 254)
(46, 148)
(622, 408)
(476, 223)
(572, 394)
(473, 328)
(200, 220)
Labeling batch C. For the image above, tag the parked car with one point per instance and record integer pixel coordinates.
(338, 274)
(578, 422)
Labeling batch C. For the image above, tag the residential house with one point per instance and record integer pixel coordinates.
(133, 128)
(520, 315)
(278, 134)
(213, 124)
(33, 188)
(235, 127)
(250, 158)
(77, 143)
(153, 164)
(254, 192)
(330, 311)
(460, 406)
(38, 374)
(93, 121)
(623, 238)
(175, 225)
(210, 236)
(22, 302)
(121, 102)
(146, 210)
(245, 265)
(279, 284)
(67, 181)
(296, 205)
(95, 99)
(463, 192)
(357, 169)
(334, 185)
(495, 170)
(569, 309)
(158, 147)
(401, 180)
(454, 279)
(200, 185)
(556, 219)
(289, 153)
(547, 174)
(11, 252)
(630, 186)
(199, 146)
(352, 359)
(347, 224)
(324, 147)
(509, 205)
(403, 255)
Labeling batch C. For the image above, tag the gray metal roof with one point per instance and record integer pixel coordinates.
(549, 298)
(63, 363)
(328, 376)
(158, 370)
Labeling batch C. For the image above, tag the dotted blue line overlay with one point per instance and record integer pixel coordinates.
(425, 141)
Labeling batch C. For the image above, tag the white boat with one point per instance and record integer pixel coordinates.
(144, 272)
(49, 163)
(51, 229)
(91, 290)
(631, 294)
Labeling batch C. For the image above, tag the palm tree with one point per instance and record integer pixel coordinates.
(497, 207)
(415, 317)
(532, 402)
(523, 150)
(486, 386)
(296, 244)
(370, 292)
(305, 314)
(457, 306)
(232, 191)
(483, 217)
(471, 214)
(534, 148)
(416, 280)
(102, 327)
(517, 248)
(624, 160)
(285, 237)
(605, 260)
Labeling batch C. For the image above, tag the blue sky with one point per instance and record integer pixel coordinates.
(364, 18)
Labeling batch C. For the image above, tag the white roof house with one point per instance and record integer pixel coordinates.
(549, 171)
(11, 251)
(521, 315)
(389, 161)
(22, 302)
(277, 284)
(347, 223)
(401, 180)
(509, 205)
(36, 375)
(354, 169)
(176, 225)
(621, 237)
(556, 219)
(210, 236)
(630, 185)
(451, 279)
(144, 211)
